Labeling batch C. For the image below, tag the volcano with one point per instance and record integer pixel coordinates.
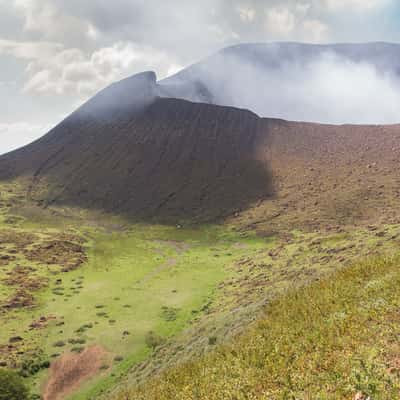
(138, 149)
(129, 151)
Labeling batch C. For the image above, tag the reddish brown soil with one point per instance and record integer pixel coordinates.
(328, 175)
(69, 255)
(21, 277)
(42, 322)
(20, 299)
(19, 239)
(65, 251)
(71, 370)
(5, 259)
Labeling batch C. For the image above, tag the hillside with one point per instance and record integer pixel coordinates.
(334, 339)
(144, 233)
(331, 340)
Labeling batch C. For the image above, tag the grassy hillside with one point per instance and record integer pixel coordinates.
(90, 304)
(331, 340)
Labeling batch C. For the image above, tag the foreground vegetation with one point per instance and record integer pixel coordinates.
(11, 386)
(335, 339)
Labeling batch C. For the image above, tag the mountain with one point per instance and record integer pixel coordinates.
(130, 151)
(127, 151)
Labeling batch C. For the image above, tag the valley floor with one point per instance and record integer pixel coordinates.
(112, 304)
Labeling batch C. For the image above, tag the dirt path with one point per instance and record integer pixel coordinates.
(179, 247)
(69, 371)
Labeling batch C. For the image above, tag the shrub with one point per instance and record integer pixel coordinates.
(153, 340)
(77, 341)
(84, 327)
(12, 386)
(212, 340)
(77, 349)
(32, 365)
(45, 364)
(101, 314)
(169, 314)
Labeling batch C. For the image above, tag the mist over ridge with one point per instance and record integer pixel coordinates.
(338, 83)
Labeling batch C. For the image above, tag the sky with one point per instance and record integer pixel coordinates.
(55, 54)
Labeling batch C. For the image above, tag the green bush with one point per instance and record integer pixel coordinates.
(32, 365)
(212, 340)
(153, 340)
(12, 386)
(77, 349)
(169, 314)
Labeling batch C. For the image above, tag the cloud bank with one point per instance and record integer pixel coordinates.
(357, 84)
(329, 89)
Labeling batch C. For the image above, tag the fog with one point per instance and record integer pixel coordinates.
(323, 86)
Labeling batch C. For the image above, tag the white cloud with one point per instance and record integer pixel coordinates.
(340, 90)
(280, 21)
(173, 69)
(71, 71)
(55, 70)
(246, 13)
(43, 17)
(29, 50)
(360, 5)
(93, 32)
(329, 88)
(315, 30)
(295, 20)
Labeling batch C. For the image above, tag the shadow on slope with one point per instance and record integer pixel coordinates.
(172, 160)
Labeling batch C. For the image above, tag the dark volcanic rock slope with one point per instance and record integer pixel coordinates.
(171, 159)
